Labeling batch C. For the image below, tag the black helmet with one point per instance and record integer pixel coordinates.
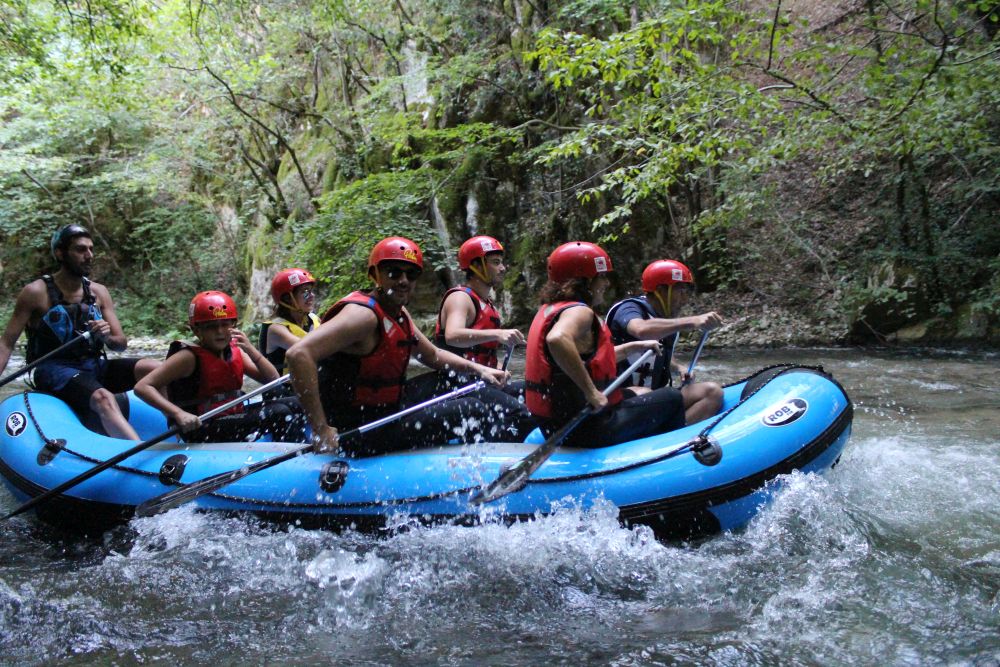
(63, 235)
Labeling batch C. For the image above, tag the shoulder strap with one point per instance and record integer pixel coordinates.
(88, 296)
(55, 296)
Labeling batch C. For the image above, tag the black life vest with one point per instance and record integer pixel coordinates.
(549, 392)
(62, 322)
(653, 374)
(487, 317)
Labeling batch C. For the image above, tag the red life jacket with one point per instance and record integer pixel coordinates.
(216, 380)
(375, 379)
(487, 317)
(549, 392)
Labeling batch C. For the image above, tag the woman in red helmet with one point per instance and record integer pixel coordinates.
(196, 378)
(293, 291)
(667, 285)
(352, 369)
(571, 358)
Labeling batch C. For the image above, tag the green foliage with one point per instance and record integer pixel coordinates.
(335, 244)
(205, 140)
(662, 104)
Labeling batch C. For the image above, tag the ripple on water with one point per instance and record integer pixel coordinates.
(892, 558)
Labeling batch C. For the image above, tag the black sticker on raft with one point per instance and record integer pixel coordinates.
(15, 424)
(785, 413)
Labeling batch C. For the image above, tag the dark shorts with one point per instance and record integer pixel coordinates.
(115, 375)
(657, 411)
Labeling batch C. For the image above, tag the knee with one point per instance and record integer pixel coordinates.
(103, 402)
(144, 367)
(714, 393)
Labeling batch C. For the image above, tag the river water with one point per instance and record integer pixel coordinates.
(893, 558)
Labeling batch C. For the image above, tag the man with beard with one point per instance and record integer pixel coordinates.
(352, 369)
(59, 308)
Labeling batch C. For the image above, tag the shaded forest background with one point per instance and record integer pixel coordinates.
(829, 169)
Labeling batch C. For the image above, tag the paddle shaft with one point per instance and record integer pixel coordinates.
(118, 458)
(27, 367)
(506, 357)
(515, 476)
(694, 359)
(189, 492)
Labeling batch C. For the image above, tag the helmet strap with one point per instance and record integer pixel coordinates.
(289, 302)
(481, 274)
(665, 305)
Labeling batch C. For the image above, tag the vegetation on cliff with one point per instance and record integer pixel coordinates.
(830, 170)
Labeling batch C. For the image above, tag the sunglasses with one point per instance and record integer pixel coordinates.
(394, 272)
(305, 292)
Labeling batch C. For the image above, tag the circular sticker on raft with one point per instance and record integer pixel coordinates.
(785, 413)
(15, 424)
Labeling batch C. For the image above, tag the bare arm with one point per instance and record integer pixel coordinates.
(279, 337)
(27, 303)
(255, 364)
(622, 351)
(656, 328)
(434, 357)
(458, 312)
(152, 388)
(568, 339)
(352, 330)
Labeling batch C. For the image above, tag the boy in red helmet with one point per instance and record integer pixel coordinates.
(352, 369)
(571, 358)
(57, 309)
(468, 323)
(667, 285)
(196, 378)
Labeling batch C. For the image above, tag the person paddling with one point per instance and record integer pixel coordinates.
(352, 369)
(571, 358)
(294, 295)
(654, 315)
(59, 308)
(198, 377)
(468, 324)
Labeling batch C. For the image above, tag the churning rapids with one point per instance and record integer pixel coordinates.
(893, 558)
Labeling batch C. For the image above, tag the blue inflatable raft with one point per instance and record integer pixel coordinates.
(706, 477)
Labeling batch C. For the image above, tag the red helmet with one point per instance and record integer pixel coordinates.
(211, 306)
(287, 280)
(578, 259)
(665, 272)
(398, 249)
(477, 248)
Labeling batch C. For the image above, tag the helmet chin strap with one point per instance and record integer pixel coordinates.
(663, 306)
(479, 274)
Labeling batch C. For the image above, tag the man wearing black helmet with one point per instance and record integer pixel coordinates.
(60, 308)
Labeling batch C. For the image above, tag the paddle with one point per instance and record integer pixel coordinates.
(62, 348)
(514, 477)
(118, 458)
(188, 492)
(694, 359)
(506, 357)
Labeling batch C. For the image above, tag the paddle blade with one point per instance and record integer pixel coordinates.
(189, 492)
(514, 478)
